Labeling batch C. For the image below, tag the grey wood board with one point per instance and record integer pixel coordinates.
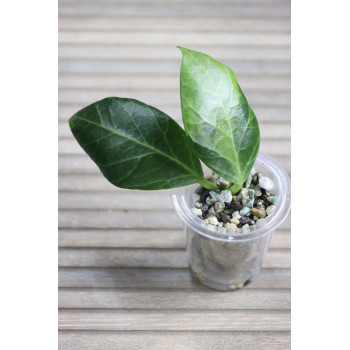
(160, 258)
(174, 340)
(248, 320)
(174, 10)
(175, 24)
(156, 278)
(224, 38)
(87, 298)
(142, 239)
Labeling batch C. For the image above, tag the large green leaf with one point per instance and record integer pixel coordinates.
(136, 146)
(217, 117)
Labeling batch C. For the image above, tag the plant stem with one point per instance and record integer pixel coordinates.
(235, 188)
(207, 184)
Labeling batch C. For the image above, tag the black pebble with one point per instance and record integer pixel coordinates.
(204, 195)
(235, 206)
(225, 218)
(245, 220)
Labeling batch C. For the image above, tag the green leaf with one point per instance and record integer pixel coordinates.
(136, 146)
(217, 117)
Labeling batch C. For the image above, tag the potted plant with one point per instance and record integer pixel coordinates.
(229, 215)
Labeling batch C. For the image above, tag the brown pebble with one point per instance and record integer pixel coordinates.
(256, 212)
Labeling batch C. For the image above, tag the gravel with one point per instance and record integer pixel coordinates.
(236, 212)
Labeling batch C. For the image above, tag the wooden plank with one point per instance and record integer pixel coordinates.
(174, 10)
(267, 131)
(268, 67)
(86, 97)
(142, 239)
(272, 147)
(184, 2)
(161, 83)
(125, 219)
(171, 38)
(105, 52)
(263, 113)
(174, 320)
(156, 278)
(112, 340)
(85, 183)
(126, 200)
(150, 258)
(175, 24)
(243, 299)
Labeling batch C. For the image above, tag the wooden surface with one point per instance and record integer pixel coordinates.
(123, 280)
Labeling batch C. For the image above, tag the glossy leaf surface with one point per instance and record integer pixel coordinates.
(217, 117)
(136, 146)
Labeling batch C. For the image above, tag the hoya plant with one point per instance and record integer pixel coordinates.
(137, 146)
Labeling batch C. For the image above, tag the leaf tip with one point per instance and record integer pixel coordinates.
(182, 49)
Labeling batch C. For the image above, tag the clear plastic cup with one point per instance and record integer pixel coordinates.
(225, 260)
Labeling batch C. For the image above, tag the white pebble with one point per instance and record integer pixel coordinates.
(266, 183)
(225, 196)
(236, 215)
(270, 209)
(230, 225)
(245, 228)
(235, 221)
(197, 211)
(213, 220)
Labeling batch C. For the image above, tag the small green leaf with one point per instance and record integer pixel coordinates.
(217, 117)
(136, 146)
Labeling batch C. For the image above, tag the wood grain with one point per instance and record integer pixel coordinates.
(164, 258)
(174, 340)
(174, 10)
(259, 320)
(173, 299)
(142, 239)
(156, 278)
